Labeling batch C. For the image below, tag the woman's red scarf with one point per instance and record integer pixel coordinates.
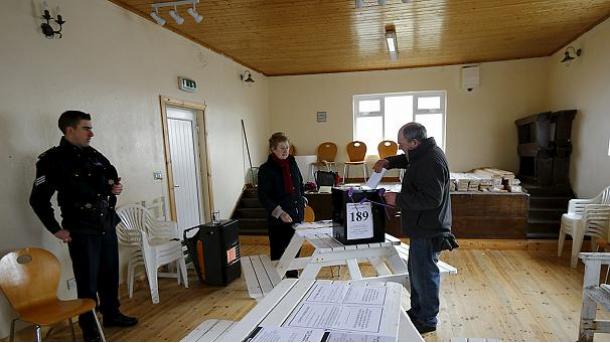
(285, 165)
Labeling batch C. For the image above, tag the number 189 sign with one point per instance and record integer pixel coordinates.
(359, 221)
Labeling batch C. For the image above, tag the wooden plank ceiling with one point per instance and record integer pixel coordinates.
(287, 37)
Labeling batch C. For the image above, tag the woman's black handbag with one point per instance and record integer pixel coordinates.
(325, 178)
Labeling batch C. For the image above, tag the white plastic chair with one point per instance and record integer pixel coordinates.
(594, 294)
(131, 240)
(151, 243)
(585, 217)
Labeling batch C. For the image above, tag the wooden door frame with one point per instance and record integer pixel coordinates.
(207, 204)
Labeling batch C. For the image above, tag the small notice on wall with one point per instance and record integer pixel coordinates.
(321, 117)
(359, 221)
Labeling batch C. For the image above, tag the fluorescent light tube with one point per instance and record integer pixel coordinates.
(392, 43)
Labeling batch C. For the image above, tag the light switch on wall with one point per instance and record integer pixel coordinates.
(71, 283)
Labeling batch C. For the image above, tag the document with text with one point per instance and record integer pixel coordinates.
(334, 336)
(341, 307)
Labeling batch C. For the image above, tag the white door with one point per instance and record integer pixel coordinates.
(183, 144)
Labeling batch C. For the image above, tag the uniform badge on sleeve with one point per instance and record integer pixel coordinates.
(39, 181)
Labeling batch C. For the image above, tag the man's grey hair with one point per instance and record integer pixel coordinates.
(413, 131)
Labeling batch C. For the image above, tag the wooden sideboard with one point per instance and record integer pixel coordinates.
(475, 214)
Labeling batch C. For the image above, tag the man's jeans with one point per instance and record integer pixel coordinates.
(425, 279)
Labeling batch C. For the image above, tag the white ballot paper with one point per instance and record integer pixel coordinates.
(327, 293)
(340, 307)
(375, 179)
(314, 225)
(280, 334)
(365, 295)
(334, 336)
(359, 220)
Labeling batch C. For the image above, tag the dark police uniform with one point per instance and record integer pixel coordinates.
(83, 179)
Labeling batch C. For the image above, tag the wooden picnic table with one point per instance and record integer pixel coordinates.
(285, 304)
(328, 251)
(388, 258)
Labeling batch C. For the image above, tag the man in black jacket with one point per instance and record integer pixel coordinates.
(425, 216)
(86, 185)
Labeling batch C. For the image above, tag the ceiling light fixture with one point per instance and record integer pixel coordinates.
(155, 15)
(246, 77)
(193, 12)
(391, 42)
(570, 54)
(360, 3)
(174, 12)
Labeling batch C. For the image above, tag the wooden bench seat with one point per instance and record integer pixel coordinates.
(444, 268)
(261, 275)
(208, 331)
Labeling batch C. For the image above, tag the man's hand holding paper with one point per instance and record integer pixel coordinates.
(381, 164)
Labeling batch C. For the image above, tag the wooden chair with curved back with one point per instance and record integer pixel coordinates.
(356, 153)
(327, 152)
(29, 278)
(292, 150)
(387, 148)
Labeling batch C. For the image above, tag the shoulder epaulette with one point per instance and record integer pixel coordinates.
(49, 152)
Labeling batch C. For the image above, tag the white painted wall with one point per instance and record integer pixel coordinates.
(584, 85)
(114, 65)
(480, 124)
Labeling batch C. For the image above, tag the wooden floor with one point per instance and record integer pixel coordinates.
(510, 290)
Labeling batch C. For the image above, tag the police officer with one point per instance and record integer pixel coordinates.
(87, 186)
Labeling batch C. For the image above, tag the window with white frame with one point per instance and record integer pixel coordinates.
(378, 117)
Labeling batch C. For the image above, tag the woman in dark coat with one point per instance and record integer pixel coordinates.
(280, 190)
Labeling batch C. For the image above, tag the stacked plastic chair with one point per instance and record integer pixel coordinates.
(151, 243)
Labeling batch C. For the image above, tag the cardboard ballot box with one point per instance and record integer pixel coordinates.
(214, 250)
(355, 219)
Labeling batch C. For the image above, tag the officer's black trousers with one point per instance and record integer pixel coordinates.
(95, 261)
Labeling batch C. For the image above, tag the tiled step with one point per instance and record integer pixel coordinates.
(549, 202)
(249, 193)
(250, 203)
(251, 212)
(545, 213)
(253, 226)
(537, 228)
(537, 191)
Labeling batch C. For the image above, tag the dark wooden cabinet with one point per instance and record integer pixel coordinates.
(544, 148)
(489, 215)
